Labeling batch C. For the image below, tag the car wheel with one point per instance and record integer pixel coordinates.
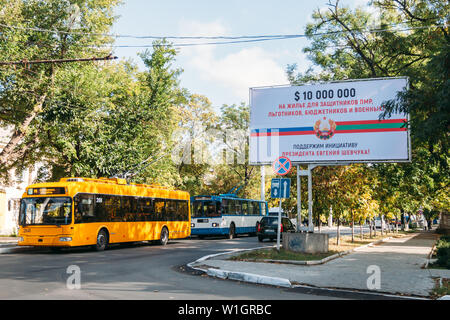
(260, 239)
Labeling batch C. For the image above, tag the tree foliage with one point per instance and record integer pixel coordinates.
(395, 38)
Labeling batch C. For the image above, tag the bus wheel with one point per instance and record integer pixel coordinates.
(164, 237)
(102, 240)
(232, 232)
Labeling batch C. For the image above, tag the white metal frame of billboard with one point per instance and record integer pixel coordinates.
(336, 118)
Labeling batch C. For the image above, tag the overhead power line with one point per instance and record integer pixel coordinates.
(241, 37)
(248, 39)
(26, 62)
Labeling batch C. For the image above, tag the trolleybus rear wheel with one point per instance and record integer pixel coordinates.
(164, 237)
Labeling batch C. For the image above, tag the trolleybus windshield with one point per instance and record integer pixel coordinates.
(45, 211)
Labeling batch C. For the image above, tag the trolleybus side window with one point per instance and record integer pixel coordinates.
(238, 207)
(263, 208)
(159, 210)
(245, 207)
(171, 210)
(84, 208)
(110, 208)
(183, 212)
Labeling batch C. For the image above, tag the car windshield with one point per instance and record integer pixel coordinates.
(45, 211)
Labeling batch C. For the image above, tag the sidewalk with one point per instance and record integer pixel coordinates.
(400, 261)
(8, 241)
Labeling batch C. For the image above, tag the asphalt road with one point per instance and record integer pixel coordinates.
(137, 271)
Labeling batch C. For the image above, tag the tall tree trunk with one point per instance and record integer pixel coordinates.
(353, 227)
(361, 229)
(396, 224)
(338, 240)
(370, 228)
(9, 154)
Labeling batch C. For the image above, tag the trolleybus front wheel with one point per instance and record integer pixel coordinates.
(232, 232)
(102, 240)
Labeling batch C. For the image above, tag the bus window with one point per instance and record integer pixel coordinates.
(238, 206)
(210, 209)
(84, 208)
(263, 208)
(113, 209)
(225, 206)
(146, 207)
(171, 210)
(182, 208)
(228, 206)
(159, 210)
(197, 209)
(245, 207)
(255, 206)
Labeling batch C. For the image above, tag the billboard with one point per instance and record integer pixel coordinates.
(328, 123)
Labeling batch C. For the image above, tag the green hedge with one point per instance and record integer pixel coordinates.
(443, 252)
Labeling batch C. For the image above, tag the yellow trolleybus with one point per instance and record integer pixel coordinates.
(97, 212)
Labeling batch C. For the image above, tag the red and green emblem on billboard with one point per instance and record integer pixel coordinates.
(323, 129)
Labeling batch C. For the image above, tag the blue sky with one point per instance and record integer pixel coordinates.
(223, 73)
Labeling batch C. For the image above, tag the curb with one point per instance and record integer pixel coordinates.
(249, 277)
(425, 265)
(240, 276)
(258, 279)
(324, 260)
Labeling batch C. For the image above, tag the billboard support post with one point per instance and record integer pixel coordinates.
(263, 184)
(310, 201)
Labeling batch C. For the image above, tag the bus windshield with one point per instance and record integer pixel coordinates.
(205, 209)
(45, 211)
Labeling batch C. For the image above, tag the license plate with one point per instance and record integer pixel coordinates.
(270, 230)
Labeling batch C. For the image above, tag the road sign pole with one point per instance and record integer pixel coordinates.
(279, 227)
(299, 200)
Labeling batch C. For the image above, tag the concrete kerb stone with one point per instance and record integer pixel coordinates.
(239, 276)
(254, 278)
(249, 277)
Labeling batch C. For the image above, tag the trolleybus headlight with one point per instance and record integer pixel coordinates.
(192, 225)
(20, 239)
(65, 239)
(215, 224)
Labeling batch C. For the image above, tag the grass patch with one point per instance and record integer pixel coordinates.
(442, 288)
(273, 254)
(345, 244)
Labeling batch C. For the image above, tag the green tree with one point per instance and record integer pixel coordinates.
(405, 38)
(26, 89)
(235, 169)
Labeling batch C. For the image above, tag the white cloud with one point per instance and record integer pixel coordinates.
(238, 71)
(234, 70)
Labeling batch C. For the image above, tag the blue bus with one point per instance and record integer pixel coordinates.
(225, 214)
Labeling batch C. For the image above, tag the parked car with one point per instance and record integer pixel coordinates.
(267, 227)
(378, 223)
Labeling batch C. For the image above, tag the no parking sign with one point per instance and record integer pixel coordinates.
(281, 166)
